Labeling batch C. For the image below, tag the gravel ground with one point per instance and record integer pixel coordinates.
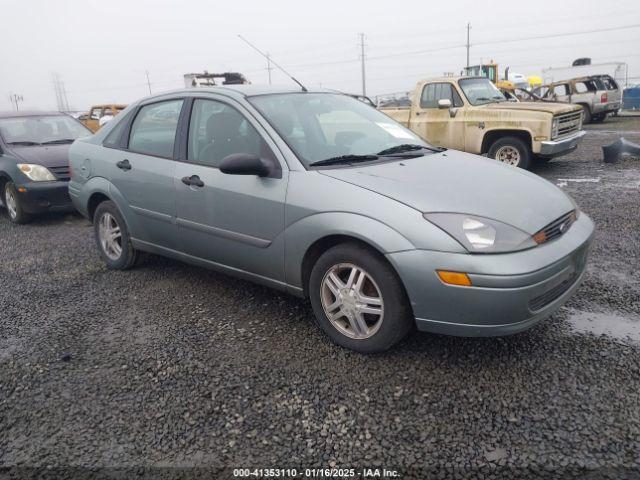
(169, 365)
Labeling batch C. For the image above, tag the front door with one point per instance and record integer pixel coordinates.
(561, 93)
(143, 174)
(232, 220)
(442, 127)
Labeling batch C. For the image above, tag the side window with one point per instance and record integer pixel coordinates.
(560, 90)
(428, 98)
(217, 130)
(154, 129)
(96, 113)
(113, 138)
(581, 87)
(438, 91)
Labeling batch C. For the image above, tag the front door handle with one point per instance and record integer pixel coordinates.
(124, 164)
(193, 181)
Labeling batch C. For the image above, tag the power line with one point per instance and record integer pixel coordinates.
(557, 35)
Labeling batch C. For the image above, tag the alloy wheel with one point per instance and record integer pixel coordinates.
(509, 155)
(110, 236)
(352, 301)
(10, 202)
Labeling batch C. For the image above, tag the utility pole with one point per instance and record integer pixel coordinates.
(468, 44)
(364, 82)
(15, 98)
(269, 67)
(146, 72)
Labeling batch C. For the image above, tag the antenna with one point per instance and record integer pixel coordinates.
(271, 61)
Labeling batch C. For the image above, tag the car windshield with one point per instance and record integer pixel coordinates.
(325, 126)
(38, 130)
(480, 91)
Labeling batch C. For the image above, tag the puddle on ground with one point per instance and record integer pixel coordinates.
(610, 324)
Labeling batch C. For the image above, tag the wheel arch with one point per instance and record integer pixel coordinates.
(95, 199)
(492, 136)
(323, 244)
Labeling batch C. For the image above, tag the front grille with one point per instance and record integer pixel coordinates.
(61, 173)
(553, 294)
(556, 228)
(568, 124)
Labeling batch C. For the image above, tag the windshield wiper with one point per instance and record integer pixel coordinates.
(62, 140)
(407, 147)
(24, 142)
(344, 159)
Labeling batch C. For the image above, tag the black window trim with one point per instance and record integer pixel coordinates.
(184, 134)
(126, 133)
(454, 94)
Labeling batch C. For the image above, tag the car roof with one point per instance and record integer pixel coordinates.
(30, 113)
(239, 91)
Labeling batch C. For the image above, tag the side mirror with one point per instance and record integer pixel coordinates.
(444, 103)
(245, 164)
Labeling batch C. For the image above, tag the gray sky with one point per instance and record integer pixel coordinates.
(101, 49)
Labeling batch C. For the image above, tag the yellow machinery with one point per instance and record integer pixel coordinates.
(490, 71)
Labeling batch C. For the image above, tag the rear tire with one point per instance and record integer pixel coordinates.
(586, 114)
(358, 299)
(11, 201)
(601, 117)
(112, 237)
(511, 151)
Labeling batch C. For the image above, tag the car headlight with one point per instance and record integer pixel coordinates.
(37, 173)
(481, 235)
(554, 127)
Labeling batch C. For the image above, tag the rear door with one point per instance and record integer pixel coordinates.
(437, 125)
(143, 173)
(233, 220)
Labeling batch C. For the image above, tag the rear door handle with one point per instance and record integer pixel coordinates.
(193, 181)
(124, 164)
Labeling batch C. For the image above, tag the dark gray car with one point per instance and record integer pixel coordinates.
(34, 162)
(322, 196)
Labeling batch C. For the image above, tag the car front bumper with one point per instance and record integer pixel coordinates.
(40, 197)
(511, 292)
(555, 148)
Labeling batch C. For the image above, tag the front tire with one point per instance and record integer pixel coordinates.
(11, 201)
(511, 151)
(358, 299)
(112, 237)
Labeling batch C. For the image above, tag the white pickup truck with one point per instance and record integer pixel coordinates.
(472, 115)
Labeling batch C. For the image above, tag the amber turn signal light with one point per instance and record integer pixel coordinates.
(454, 278)
(540, 237)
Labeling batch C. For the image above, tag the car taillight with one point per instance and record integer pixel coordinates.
(603, 98)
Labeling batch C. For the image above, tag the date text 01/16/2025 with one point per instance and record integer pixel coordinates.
(314, 473)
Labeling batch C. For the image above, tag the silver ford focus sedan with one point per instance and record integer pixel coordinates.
(322, 196)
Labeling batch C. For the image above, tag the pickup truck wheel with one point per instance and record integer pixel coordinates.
(586, 115)
(358, 299)
(512, 151)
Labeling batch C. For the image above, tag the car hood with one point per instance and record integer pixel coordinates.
(458, 182)
(45, 155)
(548, 107)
